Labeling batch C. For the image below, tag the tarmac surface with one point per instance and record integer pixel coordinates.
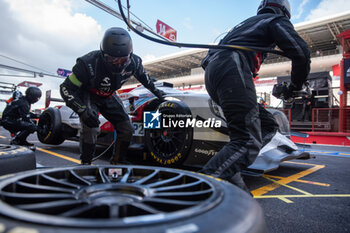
(301, 196)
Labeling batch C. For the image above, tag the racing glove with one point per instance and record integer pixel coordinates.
(90, 118)
(285, 91)
(160, 94)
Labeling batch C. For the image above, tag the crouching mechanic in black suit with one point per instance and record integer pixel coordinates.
(91, 88)
(17, 117)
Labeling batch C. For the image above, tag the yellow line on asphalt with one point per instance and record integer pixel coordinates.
(301, 163)
(59, 155)
(3, 137)
(288, 186)
(297, 196)
(270, 187)
(300, 181)
(285, 200)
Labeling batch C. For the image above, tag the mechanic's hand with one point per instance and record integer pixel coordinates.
(90, 118)
(160, 94)
(285, 91)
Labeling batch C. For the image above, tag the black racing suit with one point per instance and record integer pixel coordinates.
(229, 82)
(92, 85)
(17, 118)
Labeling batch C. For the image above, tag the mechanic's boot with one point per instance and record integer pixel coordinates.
(18, 142)
(237, 180)
(87, 153)
(14, 142)
(25, 143)
(120, 153)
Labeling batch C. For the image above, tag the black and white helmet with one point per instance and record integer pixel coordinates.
(275, 6)
(116, 48)
(33, 94)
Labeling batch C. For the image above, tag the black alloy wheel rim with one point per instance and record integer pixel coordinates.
(46, 122)
(168, 142)
(106, 196)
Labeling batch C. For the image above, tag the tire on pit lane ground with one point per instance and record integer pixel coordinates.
(50, 119)
(126, 199)
(16, 159)
(170, 146)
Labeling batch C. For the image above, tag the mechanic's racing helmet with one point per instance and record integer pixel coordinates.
(33, 94)
(275, 6)
(116, 48)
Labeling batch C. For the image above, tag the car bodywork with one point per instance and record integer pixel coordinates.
(192, 147)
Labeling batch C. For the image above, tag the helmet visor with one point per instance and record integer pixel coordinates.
(116, 60)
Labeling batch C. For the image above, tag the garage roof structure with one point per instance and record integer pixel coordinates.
(320, 35)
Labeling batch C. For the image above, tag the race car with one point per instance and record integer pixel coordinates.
(186, 129)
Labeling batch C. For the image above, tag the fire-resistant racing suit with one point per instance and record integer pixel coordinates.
(92, 86)
(229, 82)
(18, 118)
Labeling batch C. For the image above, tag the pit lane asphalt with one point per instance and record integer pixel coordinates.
(301, 196)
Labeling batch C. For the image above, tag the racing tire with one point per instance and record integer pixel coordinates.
(50, 120)
(126, 199)
(16, 159)
(170, 146)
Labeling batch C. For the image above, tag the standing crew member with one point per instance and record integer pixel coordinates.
(18, 118)
(229, 82)
(91, 88)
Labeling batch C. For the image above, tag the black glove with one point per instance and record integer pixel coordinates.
(285, 91)
(90, 118)
(160, 94)
(34, 115)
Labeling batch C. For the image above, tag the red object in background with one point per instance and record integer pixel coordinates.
(324, 138)
(336, 70)
(29, 84)
(166, 31)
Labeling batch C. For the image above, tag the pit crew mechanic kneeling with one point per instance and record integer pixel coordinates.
(90, 90)
(17, 118)
(229, 82)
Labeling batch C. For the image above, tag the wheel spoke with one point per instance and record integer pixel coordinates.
(39, 196)
(126, 176)
(189, 193)
(103, 176)
(146, 178)
(60, 182)
(157, 143)
(44, 188)
(177, 139)
(114, 211)
(172, 202)
(163, 182)
(78, 210)
(79, 178)
(48, 205)
(174, 145)
(181, 186)
(145, 207)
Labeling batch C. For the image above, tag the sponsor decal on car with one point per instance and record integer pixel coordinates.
(167, 161)
(206, 152)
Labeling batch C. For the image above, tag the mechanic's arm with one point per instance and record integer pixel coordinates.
(69, 91)
(142, 76)
(23, 110)
(288, 40)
